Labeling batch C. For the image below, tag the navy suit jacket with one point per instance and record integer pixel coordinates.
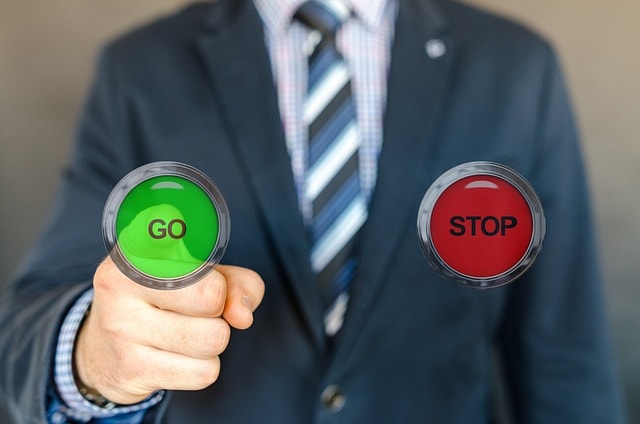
(197, 87)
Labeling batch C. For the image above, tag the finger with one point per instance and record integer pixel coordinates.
(179, 372)
(206, 298)
(134, 321)
(147, 370)
(245, 290)
(196, 337)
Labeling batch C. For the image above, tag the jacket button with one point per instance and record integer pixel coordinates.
(333, 398)
(435, 48)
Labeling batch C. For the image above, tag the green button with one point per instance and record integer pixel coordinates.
(166, 225)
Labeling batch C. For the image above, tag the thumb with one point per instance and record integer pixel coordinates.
(245, 290)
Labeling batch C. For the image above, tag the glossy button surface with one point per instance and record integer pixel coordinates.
(165, 225)
(481, 224)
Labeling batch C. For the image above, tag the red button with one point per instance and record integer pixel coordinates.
(481, 224)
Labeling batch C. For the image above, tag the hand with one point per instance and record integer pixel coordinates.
(138, 340)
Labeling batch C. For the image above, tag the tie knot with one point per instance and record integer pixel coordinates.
(325, 16)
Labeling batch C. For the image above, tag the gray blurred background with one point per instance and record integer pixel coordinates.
(47, 53)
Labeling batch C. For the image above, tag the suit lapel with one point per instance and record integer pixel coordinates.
(234, 51)
(417, 86)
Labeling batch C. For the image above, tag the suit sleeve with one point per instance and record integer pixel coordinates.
(63, 261)
(555, 341)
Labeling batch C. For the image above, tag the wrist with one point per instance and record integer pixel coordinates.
(89, 393)
(65, 378)
(94, 397)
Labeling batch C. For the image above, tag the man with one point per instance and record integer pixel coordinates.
(223, 87)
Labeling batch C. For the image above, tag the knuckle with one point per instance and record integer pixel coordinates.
(101, 278)
(133, 373)
(129, 369)
(256, 280)
(207, 373)
(213, 296)
(126, 366)
(215, 338)
(112, 326)
(108, 278)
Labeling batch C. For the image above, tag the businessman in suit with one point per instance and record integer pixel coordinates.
(217, 86)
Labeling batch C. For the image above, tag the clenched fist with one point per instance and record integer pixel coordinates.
(138, 340)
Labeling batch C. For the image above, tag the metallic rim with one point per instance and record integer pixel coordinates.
(457, 173)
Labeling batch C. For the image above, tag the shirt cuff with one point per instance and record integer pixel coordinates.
(75, 405)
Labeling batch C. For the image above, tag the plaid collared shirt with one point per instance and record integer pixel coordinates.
(364, 40)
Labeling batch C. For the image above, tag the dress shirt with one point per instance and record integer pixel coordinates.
(364, 41)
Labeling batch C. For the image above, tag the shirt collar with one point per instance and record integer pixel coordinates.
(369, 11)
(277, 14)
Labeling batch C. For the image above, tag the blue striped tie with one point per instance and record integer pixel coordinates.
(332, 181)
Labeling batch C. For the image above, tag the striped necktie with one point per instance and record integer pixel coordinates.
(332, 183)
